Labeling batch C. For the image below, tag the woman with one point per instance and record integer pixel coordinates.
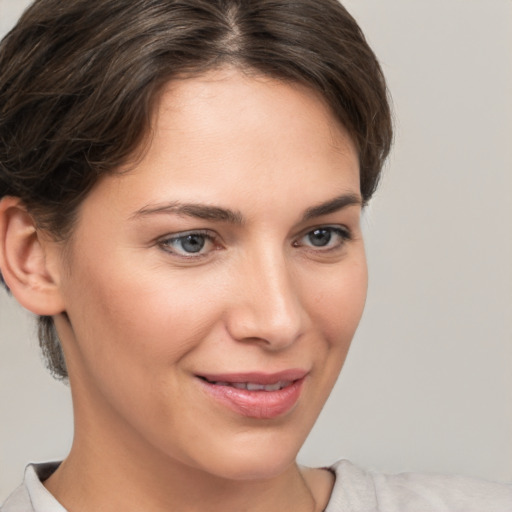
(181, 185)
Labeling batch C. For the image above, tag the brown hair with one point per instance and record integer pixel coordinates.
(78, 79)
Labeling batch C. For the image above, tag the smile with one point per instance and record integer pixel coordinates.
(259, 396)
(253, 386)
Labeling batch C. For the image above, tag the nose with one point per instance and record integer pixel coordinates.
(267, 306)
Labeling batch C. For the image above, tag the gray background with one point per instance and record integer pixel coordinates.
(428, 382)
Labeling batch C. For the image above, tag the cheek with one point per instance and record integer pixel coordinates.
(338, 303)
(130, 338)
(155, 320)
(129, 322)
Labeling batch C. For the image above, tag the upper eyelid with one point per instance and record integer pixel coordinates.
(210, 235)
(166, 244)
(181, 234)
(342, 231)
(213, 235)
(340, 227)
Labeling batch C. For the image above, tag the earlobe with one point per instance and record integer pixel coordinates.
(25, 262)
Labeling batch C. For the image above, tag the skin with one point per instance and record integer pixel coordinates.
(143, 318)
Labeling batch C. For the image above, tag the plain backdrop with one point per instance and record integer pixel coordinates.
(428, 382)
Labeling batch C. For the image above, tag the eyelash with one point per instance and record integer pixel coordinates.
(344, 235)
(209, 237)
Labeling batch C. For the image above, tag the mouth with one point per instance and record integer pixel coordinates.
(255, 395)
(252, 386)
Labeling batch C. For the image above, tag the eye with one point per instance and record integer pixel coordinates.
(324, 238)
(190, 244)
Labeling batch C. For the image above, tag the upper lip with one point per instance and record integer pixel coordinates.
(256, 377)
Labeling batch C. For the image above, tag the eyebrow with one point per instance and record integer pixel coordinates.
(200, 211)
(217, 213)
(332, 206)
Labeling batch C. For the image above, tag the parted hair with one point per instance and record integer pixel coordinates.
(79, 80)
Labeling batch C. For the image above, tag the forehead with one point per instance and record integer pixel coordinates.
(232, 102)
(220, 137)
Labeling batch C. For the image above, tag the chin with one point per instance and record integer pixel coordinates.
(250, 457)
(253, 467)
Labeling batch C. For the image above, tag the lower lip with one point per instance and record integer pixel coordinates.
(256, 404)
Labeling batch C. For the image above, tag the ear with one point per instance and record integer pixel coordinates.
(28, 260)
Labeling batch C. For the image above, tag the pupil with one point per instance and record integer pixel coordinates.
(320, 237)
(193, 243)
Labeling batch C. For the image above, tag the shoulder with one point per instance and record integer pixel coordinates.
(31, 495)
(356, 489)
(18, 501)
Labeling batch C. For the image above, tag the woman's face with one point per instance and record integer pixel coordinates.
(213, 289)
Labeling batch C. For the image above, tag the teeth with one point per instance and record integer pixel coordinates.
(255, 387)
(252, 386)
(276, 386)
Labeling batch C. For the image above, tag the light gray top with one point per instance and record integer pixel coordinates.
(355, 490)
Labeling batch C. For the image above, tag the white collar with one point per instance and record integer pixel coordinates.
(42, 500)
